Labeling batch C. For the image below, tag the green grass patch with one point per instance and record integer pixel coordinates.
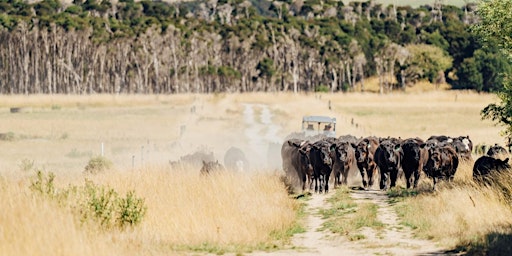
(345, 217)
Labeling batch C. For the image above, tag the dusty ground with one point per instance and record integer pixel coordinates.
(394, 239)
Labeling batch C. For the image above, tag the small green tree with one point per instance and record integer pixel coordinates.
(496, 27)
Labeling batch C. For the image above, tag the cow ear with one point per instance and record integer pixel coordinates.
(506, 160)
(332, 147)
(353, 145)
(397, 147)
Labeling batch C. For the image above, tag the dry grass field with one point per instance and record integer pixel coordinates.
(227, 212)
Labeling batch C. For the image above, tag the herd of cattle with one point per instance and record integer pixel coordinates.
(313, 160)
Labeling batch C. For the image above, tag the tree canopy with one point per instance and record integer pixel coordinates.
(126, 46)
(495, 28)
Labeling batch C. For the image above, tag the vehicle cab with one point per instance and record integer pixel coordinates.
(314, 125)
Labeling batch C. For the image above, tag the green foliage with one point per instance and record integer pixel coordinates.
(495, 27)
(322, 88)
(429, 59)
(92, 202)
(44, 184)
(496, 24)
(97, 164)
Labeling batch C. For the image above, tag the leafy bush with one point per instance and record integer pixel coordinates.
(97, 164)
(322, 88)
(92, 202)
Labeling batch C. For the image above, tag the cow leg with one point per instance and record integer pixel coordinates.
(416, 178)
(363, 176)
(394, 176)
(408, 179)
(326, 183)
(383, 180)
(303, 181)
(321, 185)
(344, 176)
(371, 175)
(435, 181)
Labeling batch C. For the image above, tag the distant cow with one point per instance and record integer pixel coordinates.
(497, 151)
(442, 163)
(364, 153)
(414, 158)
(235, 160)
(344, 158)
(463, 146)
(348, 138)
(296, 164)
(388, 158)
(321, 155)
(211, 167)
(486, 165)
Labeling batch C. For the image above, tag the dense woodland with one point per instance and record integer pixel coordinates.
(210, 46)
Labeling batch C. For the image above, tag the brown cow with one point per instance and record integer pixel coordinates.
(344, 158)
(442, 163)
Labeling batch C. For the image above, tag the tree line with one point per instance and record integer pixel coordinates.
(93, 46)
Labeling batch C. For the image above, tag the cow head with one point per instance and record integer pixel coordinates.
(342, 151)
(497, 151)
(413, 149)
(391, 151)
(326, 151)
(434, 158)
(362, 150)
(304, 149)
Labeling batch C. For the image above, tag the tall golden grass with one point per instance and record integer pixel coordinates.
(462, 215)
(185, 211)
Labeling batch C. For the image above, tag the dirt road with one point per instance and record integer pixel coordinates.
(394, 239)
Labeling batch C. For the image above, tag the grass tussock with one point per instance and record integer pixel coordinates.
(463, 215)
(345, 217)
(224, 212)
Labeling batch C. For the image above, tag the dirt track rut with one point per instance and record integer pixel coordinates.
(394, 239)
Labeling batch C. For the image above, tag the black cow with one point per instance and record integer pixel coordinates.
(497, 151)
(321, 155)
(235, 160)
(486, 165)
(414, 158)
(344, 158)
(296, 164)
(388, 158)
(364, 152)
(442, 163)
(211, 167)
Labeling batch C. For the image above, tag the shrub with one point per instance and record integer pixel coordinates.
(97, 203)
(97, 164)
(322, 88)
